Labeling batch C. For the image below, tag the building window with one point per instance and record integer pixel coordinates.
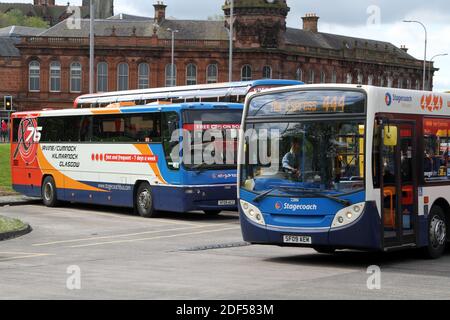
(171, 75)
(417, 84)
(267, 72)
(191, 74)
(349, 78)
(55, 76)
(381, 81)
(390, 82)
(408, 84)
(102, 77)
(299, 74)
(143, 76)
(122, 76)
(75, 77)
(212, 73)
(360, 78)
(400, 83)
(323, 77)
(246, 73)
(370, 80)
(312, 77)
(34, 76)
(334, 77)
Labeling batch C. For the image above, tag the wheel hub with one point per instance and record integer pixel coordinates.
(144, 199)
(438, 232)
(48, 191)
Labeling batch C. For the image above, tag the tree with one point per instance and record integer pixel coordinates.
(17, 18)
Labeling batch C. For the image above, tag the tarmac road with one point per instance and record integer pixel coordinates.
(190, 256)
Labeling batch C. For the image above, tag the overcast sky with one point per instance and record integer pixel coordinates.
(373, 19)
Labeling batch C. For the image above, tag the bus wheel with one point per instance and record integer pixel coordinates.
(48, 192)
(144, 201)
(212, 213)
(325, 250)
(437, 234)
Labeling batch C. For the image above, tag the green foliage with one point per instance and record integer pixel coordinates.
(5, 169)
(17, 18)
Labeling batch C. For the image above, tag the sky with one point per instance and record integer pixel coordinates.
(371, 19)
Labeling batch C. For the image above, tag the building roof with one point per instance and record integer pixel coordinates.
(7, 48)
(19, 31)
(339, 42)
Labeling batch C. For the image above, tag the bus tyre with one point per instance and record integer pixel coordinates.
(212, 213)
(437, 233)
(144, 201)
(325, 250)
(48, 192)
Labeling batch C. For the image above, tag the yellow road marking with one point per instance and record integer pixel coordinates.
(121, 235)
(153, 238)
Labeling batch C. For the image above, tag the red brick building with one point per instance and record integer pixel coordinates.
(51, 69)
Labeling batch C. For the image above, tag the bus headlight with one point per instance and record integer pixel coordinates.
(348, 215)
(252, 212)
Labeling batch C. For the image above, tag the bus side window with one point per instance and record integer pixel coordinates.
(170, 124)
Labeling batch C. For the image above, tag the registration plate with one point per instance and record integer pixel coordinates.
(297, 239)
(227, 202)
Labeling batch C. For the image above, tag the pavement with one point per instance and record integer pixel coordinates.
(91, 252)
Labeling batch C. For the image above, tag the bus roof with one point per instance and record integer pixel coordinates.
(134, 109)
(182, 92)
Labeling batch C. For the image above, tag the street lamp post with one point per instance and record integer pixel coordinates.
(172, 67)
(230, 66)
(425, 56)
(91, 47)
(431, 66)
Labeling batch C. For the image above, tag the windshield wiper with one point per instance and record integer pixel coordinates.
(200, 167)
(312, 192)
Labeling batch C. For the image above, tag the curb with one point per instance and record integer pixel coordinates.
(15, 234)
(18, 202)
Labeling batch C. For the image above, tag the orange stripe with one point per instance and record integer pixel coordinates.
(146, 151)
(105, 111)
(61, 180)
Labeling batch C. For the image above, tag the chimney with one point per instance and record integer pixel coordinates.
(310, 22)
(160, 11)
(404, 48)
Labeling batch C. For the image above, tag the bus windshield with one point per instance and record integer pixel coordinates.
(307, 154)
(213, 138)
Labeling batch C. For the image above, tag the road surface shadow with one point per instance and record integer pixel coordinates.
(411, 261)
(188, 217)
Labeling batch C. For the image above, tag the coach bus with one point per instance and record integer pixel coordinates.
(124, 157)
(347, 167)
(220, 92)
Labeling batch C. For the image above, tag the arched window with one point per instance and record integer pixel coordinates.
(390, 82)
(212, 73)
(143, 76)
(191, 74)
(34, 75)
(299, 74)
(123, 76)
(246, 73)
(381, 81)
(75, 77)
(55, 76)
(334, 77)
(370, 80)
(171, 75)
(349, 78)
(360, 78)
(267, 72)
(102, 77)
(312, 77)
(323, 77)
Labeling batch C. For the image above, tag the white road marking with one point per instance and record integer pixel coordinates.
(153, 238)
(122, 235)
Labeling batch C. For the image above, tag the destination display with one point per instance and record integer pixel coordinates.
(308, 102)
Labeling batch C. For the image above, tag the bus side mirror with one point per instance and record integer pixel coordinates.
(390, 136)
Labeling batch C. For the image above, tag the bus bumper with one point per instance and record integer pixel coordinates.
(192, 198)
(365, 233)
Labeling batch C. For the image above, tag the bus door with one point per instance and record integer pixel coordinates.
(399, 183)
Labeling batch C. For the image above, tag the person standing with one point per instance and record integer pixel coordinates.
(4, 130)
